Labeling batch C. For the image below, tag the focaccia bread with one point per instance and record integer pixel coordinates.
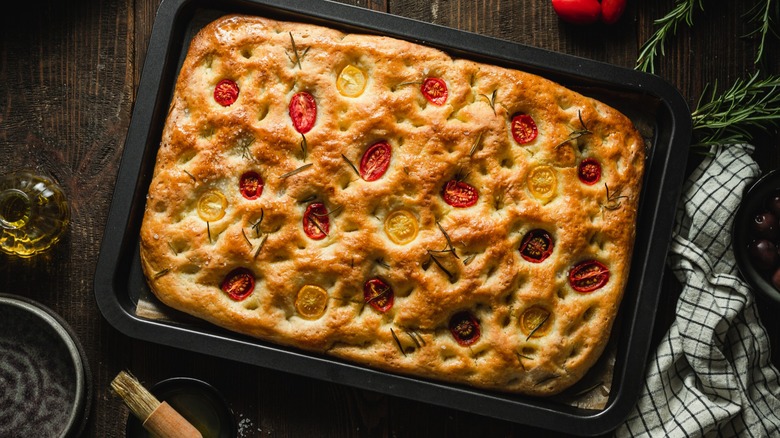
(382, 202)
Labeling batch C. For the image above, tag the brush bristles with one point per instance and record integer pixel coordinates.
(137, 398)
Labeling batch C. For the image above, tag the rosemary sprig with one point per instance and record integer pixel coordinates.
(733, 116)
(682, 12)
(613, 199)
(298, 57)
(761, 16)
(244, 143)
(577, 133)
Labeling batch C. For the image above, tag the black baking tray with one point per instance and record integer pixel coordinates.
(119, 280)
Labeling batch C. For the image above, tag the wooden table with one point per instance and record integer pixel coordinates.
(69, 72)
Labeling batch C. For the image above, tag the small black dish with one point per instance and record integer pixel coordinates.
(753, 203)
(197, 401)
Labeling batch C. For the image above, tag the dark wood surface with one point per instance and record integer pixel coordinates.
(68, 77)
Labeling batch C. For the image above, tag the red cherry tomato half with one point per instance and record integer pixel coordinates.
(578, 11)
(251, 185)
(435, 90)
(303, 111)
(589, 171)
(238, 284)
(375, 161)
(465, 328)
(378, 294)
(523, 128)
(536, 246)
(459, 194)
(316, 222)
(226, 92)
(588, 276)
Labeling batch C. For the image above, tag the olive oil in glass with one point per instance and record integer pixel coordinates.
(34, 213)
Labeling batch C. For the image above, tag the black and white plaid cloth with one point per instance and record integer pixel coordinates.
(711, 374)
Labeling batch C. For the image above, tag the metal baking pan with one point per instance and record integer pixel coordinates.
(119, 281)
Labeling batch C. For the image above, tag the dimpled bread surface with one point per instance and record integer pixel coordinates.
(458, 299)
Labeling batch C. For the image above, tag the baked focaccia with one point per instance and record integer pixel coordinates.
(385, 203)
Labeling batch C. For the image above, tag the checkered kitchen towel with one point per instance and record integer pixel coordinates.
(711, 374)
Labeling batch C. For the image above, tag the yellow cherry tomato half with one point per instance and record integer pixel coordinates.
(311, 301)
(542, 183)
(212, 206)
(351, 81)
(401, 227)
(535, 322)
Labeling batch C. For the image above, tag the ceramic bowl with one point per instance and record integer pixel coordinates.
(43, 370)
(197, 401)
(753, 203)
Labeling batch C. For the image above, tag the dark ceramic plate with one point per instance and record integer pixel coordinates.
(43, 374)
(753, 203)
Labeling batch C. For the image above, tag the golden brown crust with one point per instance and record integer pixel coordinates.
(206, 146)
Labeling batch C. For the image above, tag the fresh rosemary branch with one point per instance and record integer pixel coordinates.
(761, 16)
(683, 11)
(735, 115)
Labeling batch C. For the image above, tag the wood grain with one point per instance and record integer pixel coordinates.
(69, 73)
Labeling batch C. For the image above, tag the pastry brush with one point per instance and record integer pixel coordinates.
(157, 417)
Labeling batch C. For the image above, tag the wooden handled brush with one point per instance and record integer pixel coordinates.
(158, 418)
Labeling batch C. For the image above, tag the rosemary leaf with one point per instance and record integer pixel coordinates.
(397, 341)
(667, 25)
(476, 144)
(161, 273)
(350, 164)
(298, 170)
(538, 326)
(763, 19)
(260, 245)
